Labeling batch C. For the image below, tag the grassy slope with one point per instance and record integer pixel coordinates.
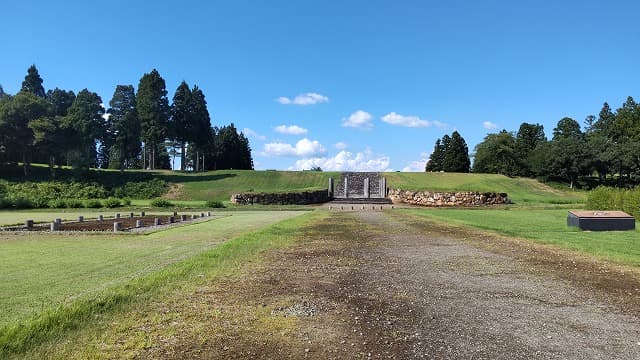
(39, 271)
(547, 227)
(219, 185)
(520, 190)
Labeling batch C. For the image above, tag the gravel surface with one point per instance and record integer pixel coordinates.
(455, 301)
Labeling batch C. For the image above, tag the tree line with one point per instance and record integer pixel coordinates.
(138, 129)
(605, 150)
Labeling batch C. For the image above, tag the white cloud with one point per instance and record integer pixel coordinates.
(253, 134)
(417, 165)
(303, 99)
(291, 130)
(489, 125)
(346, 161)
(340, 145)
(303, 148)
(359, 119)
(410, 121)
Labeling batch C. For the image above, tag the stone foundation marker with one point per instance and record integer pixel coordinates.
(29, 224)
(139, 223)
(117, 226)
(55, 226)
(80, 218)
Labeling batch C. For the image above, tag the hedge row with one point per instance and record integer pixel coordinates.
(44, 194)
(24, 203)
(609, 198)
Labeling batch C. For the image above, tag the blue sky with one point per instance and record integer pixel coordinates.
(345, 85)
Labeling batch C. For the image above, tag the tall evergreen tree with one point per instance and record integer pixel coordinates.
(61, 100)
(529, 136)
(456, 157)
(124, 130)
(84, 119)
(33, 82)
(436, 158)
(2, 93)
(201, 126)
(153, 112)
(182, 119)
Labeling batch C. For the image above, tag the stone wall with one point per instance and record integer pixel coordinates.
(444, 199)
(355, 184)
(297, 198)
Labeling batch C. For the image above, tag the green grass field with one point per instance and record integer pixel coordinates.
(523, 191)
(39, 271)
(546, 227)
(219, 185)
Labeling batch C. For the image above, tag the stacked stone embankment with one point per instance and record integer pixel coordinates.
(290, 198)
(446, 199)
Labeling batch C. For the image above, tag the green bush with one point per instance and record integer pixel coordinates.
(160, 202)
(631, 202)
(58, 204)
(214, 204)
(111, 202)
(74, 204)
(22, 203)
(605, 198)
(608, 198)
(141, 190)
(126, 202)
(5, 203)
(93, 203)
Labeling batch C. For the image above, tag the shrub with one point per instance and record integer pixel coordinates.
(22, 203)
(631, 202)
(93, 203)
(126, 202)
(4, 203)
(141, 190)
(605, 198)
(214, 204)
(160, 202)
(111, 202)
(58, 204)
(74, 203)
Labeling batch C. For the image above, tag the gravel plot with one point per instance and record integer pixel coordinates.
(456, 301)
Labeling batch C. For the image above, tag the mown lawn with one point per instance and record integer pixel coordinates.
(546, 227)
(42, 271)
(521, 191)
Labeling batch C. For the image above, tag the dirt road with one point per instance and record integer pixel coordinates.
(377, 285)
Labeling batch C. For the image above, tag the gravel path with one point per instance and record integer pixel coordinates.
(446, 299)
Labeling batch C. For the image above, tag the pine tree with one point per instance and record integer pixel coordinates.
(435, 159)
(153, 112)
(61, 100)
(456, 157)
(2, 93)
(124, 130)
(181, 119)
(85, 121)
(33, 82)
(201, 125)
(529, 136)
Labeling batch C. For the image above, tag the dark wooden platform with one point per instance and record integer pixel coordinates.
(601, 220)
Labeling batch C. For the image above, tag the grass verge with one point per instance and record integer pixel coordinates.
(545, 227)
(16, 338)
